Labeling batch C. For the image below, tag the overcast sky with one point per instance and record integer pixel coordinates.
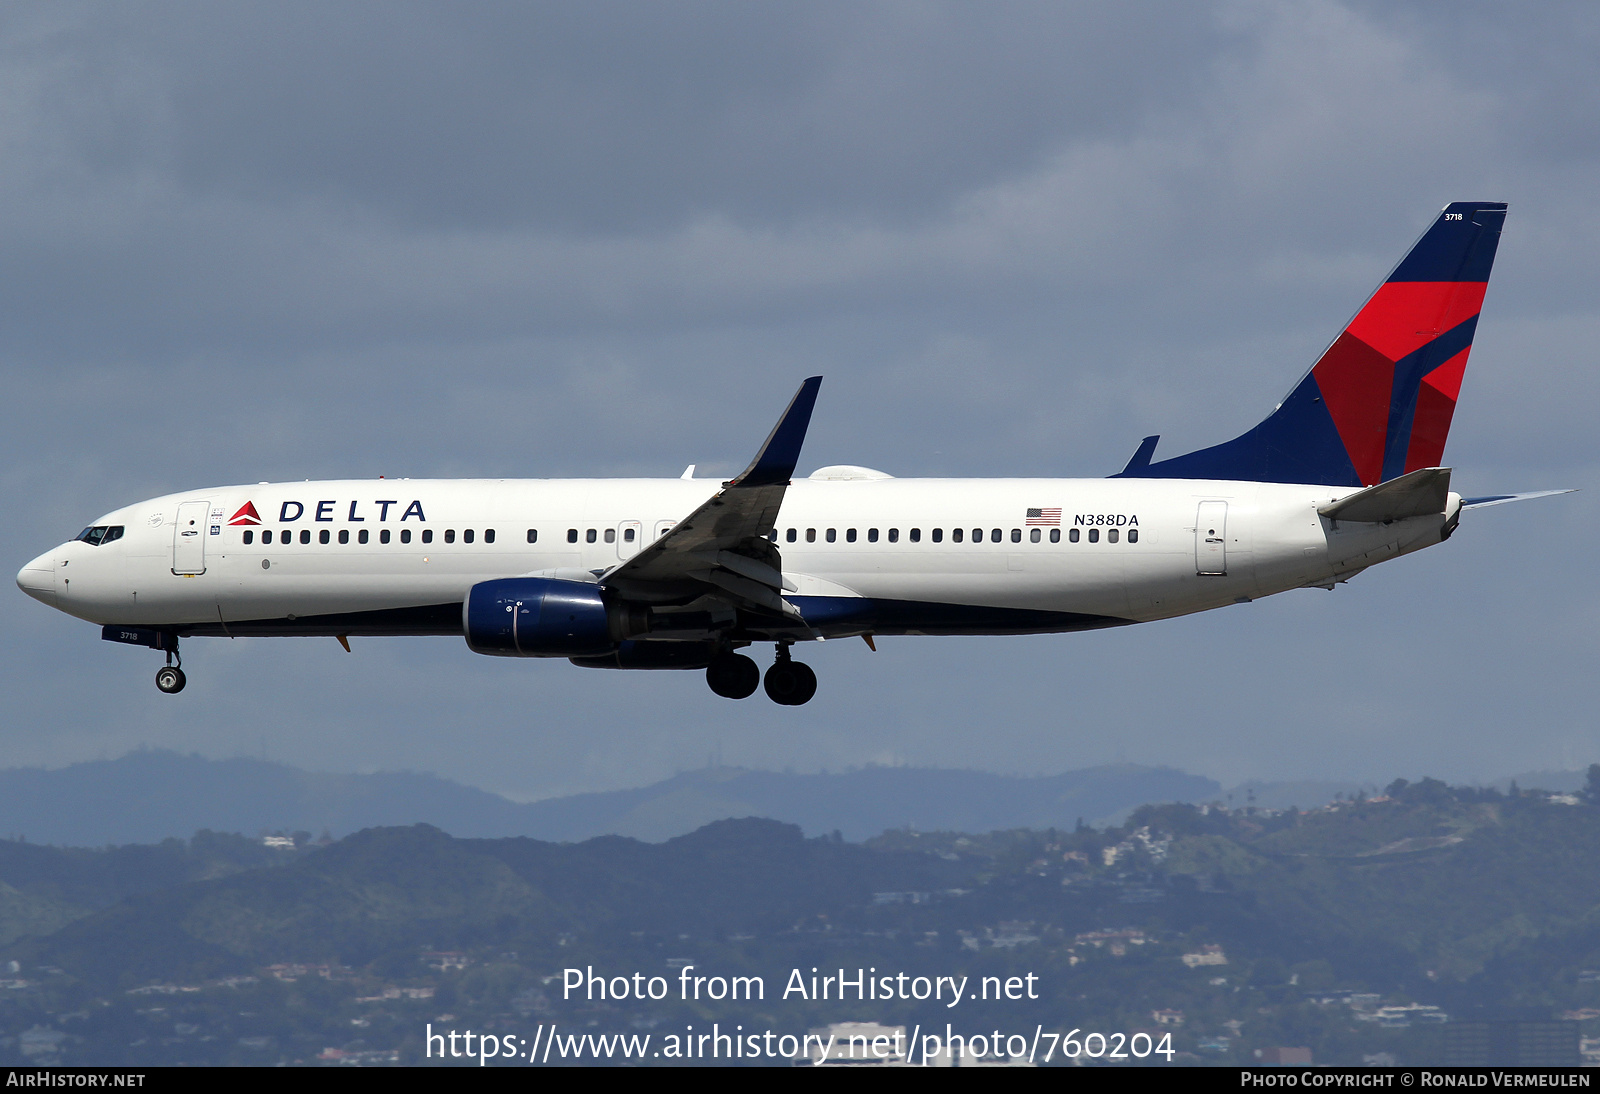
(282, 241)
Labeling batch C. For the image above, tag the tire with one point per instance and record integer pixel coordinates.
(790, 683)
(733, 676)
(170, 680)
(807, 684)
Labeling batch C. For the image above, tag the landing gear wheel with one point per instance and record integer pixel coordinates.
(790, 683)
(170, 679)
(733, 676)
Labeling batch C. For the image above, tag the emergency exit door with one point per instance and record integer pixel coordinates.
(629, 533)
(1211, 539)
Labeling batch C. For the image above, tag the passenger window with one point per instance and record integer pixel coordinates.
(1033, 536)
(1094, 535)
(996, 535)
(1055, 535)
(894, 535)
(450, 535)
(383, 536)
(833, 535)
(1133, 535)
(589, 536)
(627, 535)
(466, 537)
(323, 536)
(1111, 535)
(488, 535)
(533, 536)
(916, 535)
(405, 535)
(955, 534)
(938, 535)
(611, 535)
(872, 535)
(363, 536)
(305, 535)
(344, 535)
(1072, 536)
(977, 535)
(248, 536)
(791, 534)
(1016, 535)
(266, 536)
(811, 535)
(572, 535)
(427, 535)
(849, 535)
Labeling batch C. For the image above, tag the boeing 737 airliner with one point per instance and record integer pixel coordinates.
(683, 573)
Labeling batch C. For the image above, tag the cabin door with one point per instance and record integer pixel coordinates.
(1211, 539)
(189, 538)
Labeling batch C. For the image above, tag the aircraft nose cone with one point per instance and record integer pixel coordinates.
(38, 579)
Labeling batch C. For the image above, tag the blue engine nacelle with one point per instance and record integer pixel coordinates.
(544, 617)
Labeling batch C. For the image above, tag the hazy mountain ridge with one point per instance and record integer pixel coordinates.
(151, 795)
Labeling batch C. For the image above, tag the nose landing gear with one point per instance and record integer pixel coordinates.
(789, 683)
(170, 678)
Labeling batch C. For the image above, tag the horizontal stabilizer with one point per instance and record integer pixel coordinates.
(1501, 499)
(1422, 492)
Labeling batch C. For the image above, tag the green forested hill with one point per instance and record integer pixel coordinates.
(1456, 898)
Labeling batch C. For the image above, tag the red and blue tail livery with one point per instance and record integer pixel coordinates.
(1378, 403)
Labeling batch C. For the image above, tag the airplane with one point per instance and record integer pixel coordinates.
(684, 573)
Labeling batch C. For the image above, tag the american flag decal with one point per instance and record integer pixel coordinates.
(1044, 516)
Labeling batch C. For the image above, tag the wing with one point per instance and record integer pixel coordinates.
(721, 548)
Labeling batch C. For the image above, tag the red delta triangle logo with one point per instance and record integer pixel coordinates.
(246, 515)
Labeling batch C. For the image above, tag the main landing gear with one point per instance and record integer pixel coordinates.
(788, 683)
(170, 678)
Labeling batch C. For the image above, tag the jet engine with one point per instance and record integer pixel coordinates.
(546, 617)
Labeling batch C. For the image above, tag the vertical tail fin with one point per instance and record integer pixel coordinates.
(1378, 403)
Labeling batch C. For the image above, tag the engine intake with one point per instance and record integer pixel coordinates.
(545, 617)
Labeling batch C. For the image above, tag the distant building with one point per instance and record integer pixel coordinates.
(1205, 955)
(282, 843)
(1167, 1017)
(1401, 1016)
(40, 1041)
(445, 960)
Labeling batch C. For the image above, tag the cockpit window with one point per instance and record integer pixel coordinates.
(100, 533)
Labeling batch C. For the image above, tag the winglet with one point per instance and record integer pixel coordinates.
(1141, 456)
(774, 464)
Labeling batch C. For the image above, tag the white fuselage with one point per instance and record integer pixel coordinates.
(202, 575)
